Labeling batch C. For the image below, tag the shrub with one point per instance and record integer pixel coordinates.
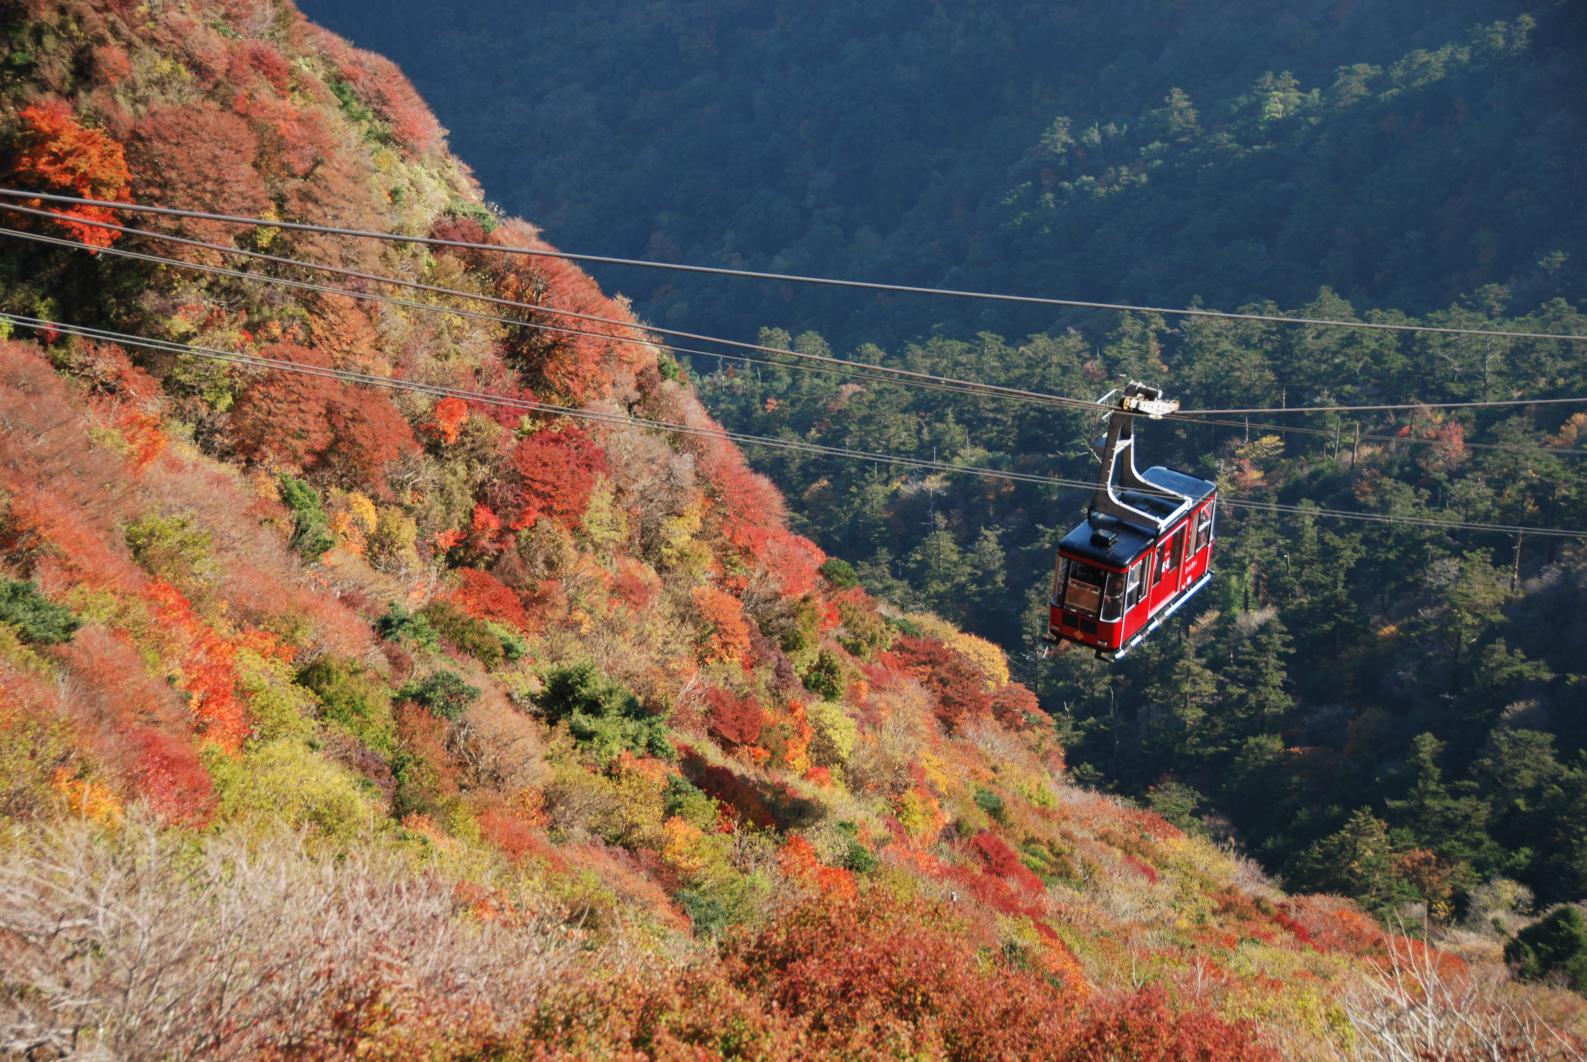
(732, 719)
(408, 628)
(604, 717)
(352, 699)
(36, 618)
(689, 803)
(284, 782)
(1554, 947)
(311, 529)
(989, 802)
(824, 676)
(170, 548)
(444, 693)
(833, 734)
(473, 636)
(840, 573)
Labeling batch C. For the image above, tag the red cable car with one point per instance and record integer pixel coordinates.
(1144, 549)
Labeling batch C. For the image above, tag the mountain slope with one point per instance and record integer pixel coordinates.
(336, 719)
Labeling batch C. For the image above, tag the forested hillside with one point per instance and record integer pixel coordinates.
(1404, 153)
(341, 717)
(1409, 694)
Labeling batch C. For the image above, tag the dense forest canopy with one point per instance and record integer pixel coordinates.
(1151, 151)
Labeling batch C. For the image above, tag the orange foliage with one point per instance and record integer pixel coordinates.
(53, 153)
(208, 674)
(798, 860)
(446, 420)
(876, 975)
(725, 632)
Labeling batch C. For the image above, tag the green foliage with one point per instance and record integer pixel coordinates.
(170, 548)
(689, 803)
(311, 530)
(1357, 861)
(1552, 948)
(352, 699)
(824, 677)
(989, 802)
(604, 717)
(854, 855)
(489, 643)
(35, 617)
(444, 693)
(840, 573)
(407, 628)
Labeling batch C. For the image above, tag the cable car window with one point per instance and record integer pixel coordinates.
(1084, 590)
(1160, 564)
(1058, 577)
(1203, 528)
(1113, 599)
(1133, 581)
(1174, 545)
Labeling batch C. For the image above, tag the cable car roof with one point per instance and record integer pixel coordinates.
(1114, 543)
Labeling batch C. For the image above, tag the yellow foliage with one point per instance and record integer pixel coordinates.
(933, 626)
(605, 524)
(285, 782)
(681, 846)
(833, 734)
(88, 798)
(988, 658)
(362, 510)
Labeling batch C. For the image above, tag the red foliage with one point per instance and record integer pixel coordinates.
(554, 474)
(385, 88)
(367, 435)
(196, 156)
(879, 976)
(484, 596)
(1013, 705)
(1142, 1027)
(280, 418)
(732, 719)
(741, 798)
(169, 777)
(951, 677)
(510, 832)
(1001, 860)
(306, 422)
(1141, 867)
(53, 153)
(635, 583)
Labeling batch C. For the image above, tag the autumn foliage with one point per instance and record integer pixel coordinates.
(54, 153)
(553, 474)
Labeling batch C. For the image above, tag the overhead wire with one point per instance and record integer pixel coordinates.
(828, 365)
(792, 278)
(933, 380)
(627, 420)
